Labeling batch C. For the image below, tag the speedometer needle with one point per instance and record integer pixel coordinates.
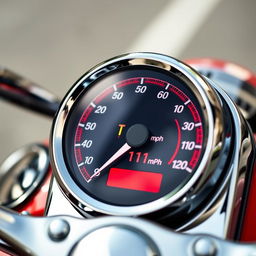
(136, 136)
(113, 158)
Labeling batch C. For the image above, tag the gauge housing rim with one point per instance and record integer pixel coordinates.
(213, 129)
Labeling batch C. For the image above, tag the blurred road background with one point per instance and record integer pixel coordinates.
(54, 42)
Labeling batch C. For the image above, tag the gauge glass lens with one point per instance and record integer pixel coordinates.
(134, 136)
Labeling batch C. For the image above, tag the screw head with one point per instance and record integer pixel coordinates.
(25, 213)
(204, 247)
(58, 229)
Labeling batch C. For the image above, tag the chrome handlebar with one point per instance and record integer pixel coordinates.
(65, 235)
(25, 93)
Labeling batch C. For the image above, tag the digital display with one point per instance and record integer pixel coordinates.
(134, 180)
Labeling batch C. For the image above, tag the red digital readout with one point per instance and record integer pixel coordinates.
(135, 180)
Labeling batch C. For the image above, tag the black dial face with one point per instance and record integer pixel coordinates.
(133, 136)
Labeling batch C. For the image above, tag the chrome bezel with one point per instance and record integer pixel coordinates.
(211, 109)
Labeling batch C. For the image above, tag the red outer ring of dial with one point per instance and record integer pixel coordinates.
(184, 98)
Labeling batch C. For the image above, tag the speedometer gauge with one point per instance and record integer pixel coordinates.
(159, 111)
(135, 134)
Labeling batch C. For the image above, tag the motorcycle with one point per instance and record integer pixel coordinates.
(149, 156)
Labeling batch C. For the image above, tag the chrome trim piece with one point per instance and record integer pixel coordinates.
(220, 215)
(242, 150)
(58, 204)
(213, 129)
(23, 171)
(240, 90)
(114, 234)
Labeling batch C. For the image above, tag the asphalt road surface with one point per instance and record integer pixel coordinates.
(54, 42)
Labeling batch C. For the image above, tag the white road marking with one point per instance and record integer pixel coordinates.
(172, 29)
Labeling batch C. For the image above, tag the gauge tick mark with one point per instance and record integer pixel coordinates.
(93, 104)
(188, 170)
(187, 102)
(167, 86)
